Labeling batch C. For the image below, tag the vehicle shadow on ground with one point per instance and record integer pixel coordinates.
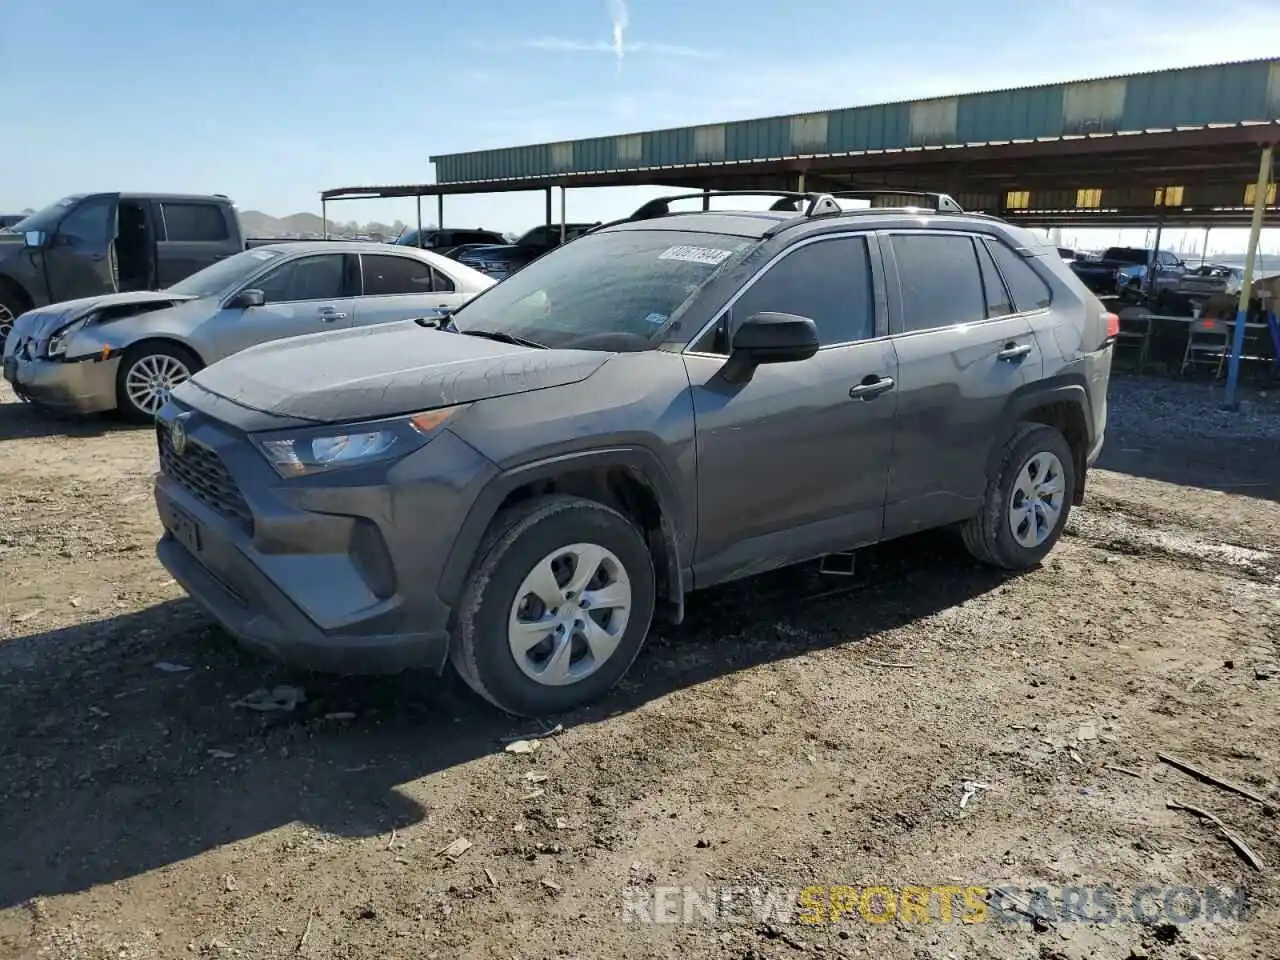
(115, 766)
(25, 421)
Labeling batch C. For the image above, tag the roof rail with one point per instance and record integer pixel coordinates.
(942, 202)
(661, 206)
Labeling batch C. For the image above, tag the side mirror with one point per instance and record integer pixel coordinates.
(769, 338)
(246, 299)
(34, 238)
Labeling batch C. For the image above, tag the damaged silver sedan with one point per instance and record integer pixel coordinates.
(126, 351)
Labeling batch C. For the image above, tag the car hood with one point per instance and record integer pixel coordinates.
(40, 323)
(382, 371)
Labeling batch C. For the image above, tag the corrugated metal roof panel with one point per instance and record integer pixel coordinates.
(1222, 93)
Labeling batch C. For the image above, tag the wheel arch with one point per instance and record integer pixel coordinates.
(629, 479)
(1063, 403)
(164, 340)
(20, 293)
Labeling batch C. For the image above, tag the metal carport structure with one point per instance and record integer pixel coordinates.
(1186, 147)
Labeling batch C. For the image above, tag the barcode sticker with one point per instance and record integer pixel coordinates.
(708, 255)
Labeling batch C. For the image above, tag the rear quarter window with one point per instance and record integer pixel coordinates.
(1029, 292)
(194, 222)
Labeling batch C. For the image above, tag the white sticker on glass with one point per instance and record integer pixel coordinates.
(691, 254)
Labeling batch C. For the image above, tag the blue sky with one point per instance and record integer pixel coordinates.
(273, 102)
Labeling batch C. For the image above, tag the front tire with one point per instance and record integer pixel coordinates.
(148, 372)
(557, 606)
(1027, 500)
(10, 309)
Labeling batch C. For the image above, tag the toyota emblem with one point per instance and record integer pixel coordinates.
(178, 436)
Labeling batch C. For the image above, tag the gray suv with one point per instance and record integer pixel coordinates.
(668, 402)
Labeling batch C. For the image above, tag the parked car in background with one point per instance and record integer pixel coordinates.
(128, 350)
(89, 245)
(1067, 254)
(7, 220)
(1211, 279)
(1123, 270)
(521, 493)
(443, 240)
(502, 261)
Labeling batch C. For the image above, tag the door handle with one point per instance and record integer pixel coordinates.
(328, 315)
(871, 387)
(1014, 351)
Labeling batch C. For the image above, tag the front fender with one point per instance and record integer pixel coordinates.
(641, 461)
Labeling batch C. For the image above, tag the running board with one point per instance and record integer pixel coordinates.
(838, 564)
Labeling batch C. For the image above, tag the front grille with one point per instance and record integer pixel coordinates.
(202, 473)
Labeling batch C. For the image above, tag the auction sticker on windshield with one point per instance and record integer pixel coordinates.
(691, 254)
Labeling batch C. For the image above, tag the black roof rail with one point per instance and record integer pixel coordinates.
(661, 206)
(942, 202)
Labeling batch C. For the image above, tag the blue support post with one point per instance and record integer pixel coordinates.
(1231, 401)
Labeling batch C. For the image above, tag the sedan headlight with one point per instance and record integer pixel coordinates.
(61, 338)
(301, 453)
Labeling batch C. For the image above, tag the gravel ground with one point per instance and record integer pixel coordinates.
(797, 730)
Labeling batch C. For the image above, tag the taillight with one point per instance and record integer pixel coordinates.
(1113, 326)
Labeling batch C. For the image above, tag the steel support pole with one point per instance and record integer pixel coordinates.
(562, 206)
(800, 182)
(324, 217)
(1231, 401)
(419, 219)
(439, 209)
(1153, 266)
(548, 192)
(706, 199)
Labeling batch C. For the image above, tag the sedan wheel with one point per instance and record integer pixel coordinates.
(6, 325)
(148, 374)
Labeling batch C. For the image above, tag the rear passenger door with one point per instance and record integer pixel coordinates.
(962, 349)
(401, 288)
(792, 464)
(191, 235)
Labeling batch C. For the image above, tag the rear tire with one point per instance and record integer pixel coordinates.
(147, 373)
(532, 656)
(1027, 501)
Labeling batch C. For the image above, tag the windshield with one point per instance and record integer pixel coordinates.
(410, 238)
(609, 291)
(47, 220)
(1127, 255)
(223, 275)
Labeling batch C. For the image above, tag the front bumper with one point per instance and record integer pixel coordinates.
(82, 386)
(337, 573)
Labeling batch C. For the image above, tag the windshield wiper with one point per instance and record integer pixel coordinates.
(501, 337)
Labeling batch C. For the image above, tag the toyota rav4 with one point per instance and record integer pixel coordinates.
(669, 402)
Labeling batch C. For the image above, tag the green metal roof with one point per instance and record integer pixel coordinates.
(1228, 93)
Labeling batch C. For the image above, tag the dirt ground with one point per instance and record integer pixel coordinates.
(798, 730)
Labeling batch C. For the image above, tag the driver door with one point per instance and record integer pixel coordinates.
(308, 294)
(794, 463)
(79, 259)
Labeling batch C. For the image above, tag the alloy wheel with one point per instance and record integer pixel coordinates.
(150, 380)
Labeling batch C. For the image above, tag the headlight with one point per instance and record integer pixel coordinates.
(300, 453)
(58, 342)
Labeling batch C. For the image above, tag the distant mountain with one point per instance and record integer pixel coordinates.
(261, 226)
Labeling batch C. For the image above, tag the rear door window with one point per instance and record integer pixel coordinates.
(940, 280)
(386, 276)
(194, 222)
